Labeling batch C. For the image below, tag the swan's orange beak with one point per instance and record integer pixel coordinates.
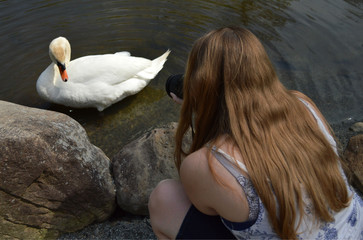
(63, 72)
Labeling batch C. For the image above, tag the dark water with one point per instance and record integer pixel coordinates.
(315, 45)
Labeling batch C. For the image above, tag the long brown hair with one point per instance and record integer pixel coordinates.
(230, 87)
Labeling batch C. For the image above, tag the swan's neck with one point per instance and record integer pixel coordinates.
(51, 77)
(56, 75)
(47, 82)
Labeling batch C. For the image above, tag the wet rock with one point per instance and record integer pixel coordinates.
(52, 179)
(141, 164)
(353, 156)
(357, 127)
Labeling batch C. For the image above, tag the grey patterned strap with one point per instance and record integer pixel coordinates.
(225, 162)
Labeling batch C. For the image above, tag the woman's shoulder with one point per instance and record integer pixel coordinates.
(195, 165)
(196, 180)
(200, 161)
(199, 173)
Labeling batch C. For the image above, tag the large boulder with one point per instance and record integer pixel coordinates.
(52, 179)
(353, 156)
(141, 165)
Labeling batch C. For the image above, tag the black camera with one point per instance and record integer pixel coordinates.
(174, 84)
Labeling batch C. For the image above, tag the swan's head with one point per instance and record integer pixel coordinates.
(60, 53)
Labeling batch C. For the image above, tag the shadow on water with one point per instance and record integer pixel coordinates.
(315, 45)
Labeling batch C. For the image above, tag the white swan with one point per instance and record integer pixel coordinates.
(96, 80)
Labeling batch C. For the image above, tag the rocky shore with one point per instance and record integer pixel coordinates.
(53, 180)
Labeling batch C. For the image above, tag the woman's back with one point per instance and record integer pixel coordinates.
(346, 224)
(253, 222)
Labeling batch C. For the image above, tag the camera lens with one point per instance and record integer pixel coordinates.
(174, 84)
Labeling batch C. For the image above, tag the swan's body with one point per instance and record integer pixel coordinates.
(94, 81)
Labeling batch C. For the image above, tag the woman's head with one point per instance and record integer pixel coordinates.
(231, 56)
(224, 67)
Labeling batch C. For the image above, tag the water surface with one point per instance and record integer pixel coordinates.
(315, 45)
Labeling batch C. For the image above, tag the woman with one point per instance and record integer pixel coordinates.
(262, 163)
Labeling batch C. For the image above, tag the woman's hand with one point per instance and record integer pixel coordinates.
(175, 98)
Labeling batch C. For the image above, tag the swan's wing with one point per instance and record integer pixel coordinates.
(101, 80)
(111, 69)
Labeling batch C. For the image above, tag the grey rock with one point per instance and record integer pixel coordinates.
(141, 165)
(357, 127)
(353, 156)
(52, 179)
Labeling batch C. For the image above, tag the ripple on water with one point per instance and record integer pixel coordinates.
(315, 46)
